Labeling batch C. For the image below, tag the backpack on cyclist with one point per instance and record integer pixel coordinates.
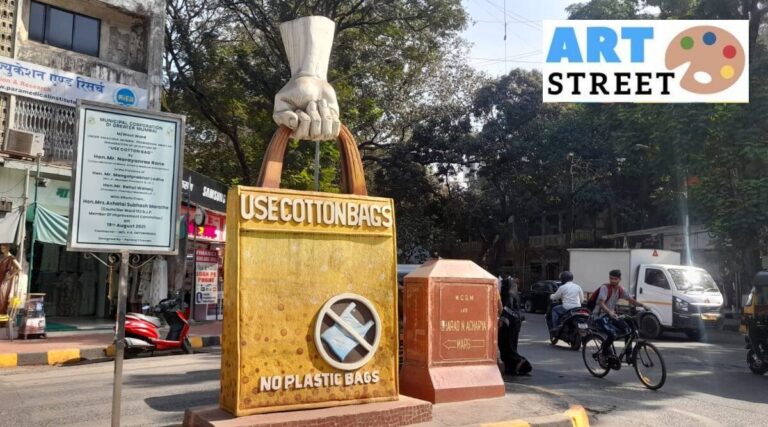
(592, 301)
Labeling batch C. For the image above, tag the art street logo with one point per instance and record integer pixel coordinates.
(646, 61)
(347, 331)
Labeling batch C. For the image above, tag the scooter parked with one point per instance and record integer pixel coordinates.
(142, 331)
(572, 328)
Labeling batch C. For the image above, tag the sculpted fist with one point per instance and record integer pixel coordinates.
(307, 103)
(308, 106)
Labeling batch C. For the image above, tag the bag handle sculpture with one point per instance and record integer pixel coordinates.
(306, 108)
(352, 175)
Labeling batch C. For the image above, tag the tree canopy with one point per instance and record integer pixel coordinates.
(468, 158)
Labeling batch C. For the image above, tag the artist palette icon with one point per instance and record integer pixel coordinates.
(347, 331)
(716, 59)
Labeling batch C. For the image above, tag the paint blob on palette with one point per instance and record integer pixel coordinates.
(715, 56)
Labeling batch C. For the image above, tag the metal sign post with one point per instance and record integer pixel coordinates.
(126, 262)
(125, 196)
(122, 296)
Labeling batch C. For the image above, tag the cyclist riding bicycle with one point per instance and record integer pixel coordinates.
(607, 319)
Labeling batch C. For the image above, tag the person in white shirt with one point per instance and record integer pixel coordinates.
(571, 294)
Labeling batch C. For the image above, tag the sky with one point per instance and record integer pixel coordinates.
(523, 45)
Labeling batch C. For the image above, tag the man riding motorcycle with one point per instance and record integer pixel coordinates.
(570, 293)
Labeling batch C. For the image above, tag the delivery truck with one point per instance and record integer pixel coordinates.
(679, 297)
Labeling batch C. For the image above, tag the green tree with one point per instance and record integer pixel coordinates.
(604, 9)
(717, 153)
(226, 62)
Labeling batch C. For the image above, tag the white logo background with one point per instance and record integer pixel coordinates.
(654, 62)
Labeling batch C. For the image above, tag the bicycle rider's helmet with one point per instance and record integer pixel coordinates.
(566, 276)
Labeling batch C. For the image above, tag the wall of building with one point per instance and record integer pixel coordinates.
(7, 20)
(130, 53)
(130, 50)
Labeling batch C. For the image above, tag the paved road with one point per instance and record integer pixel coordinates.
(708, 382)
(156, 391)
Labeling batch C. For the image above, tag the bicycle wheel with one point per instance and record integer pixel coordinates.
(590, 352)
(649, 365)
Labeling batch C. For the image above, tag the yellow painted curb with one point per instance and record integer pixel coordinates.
(110, 350)
(515, 423)
(63, 355)
(9, 360)
(578, 415)
(197, 342)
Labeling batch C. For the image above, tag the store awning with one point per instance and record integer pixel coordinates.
(50, 227)
(9, 225)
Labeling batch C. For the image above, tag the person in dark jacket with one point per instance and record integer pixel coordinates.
(510, 322)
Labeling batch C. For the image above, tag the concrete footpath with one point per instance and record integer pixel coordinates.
(522, 406)
(76, 346)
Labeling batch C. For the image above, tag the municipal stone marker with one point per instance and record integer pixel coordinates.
(450, 333)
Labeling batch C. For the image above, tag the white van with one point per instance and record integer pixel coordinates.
(680, 298)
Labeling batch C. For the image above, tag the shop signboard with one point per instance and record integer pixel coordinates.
(204, 191)
(60, 87)
(126, 189)
(206, 276)
(213, 230)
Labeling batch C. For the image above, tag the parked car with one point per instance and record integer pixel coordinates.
(537, 297)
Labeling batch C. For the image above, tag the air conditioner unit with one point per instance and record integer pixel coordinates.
(23, 142)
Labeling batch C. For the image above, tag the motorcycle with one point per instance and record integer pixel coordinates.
(572, 328)
(754, 325)
(142, 331)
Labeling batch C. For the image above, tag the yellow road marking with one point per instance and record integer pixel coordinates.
(197, 342)
(63, 355)
(9, 360)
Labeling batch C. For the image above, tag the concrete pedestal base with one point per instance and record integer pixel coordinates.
(402, 412)
(451, 383)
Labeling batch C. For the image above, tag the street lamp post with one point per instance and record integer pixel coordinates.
(686, 220)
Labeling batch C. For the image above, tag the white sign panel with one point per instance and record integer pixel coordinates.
(646, 61)
(127, 180)
(60, 87)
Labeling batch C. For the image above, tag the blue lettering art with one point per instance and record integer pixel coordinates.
(564, 45)
(637, 37)
(600, 44)
(601, 41)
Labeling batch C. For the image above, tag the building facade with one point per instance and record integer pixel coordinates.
(52, 54)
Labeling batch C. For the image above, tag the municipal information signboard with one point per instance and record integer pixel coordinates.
(126, 188)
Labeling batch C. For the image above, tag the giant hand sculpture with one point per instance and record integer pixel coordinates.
(307, 103)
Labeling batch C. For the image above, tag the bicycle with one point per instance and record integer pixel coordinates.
(637, 352)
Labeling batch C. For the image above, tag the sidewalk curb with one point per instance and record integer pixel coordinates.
(574, 417)
(61, 356)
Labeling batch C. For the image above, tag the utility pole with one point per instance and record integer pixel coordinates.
(688, 255)
(23, 219)
(317, 165)
(571, 207)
